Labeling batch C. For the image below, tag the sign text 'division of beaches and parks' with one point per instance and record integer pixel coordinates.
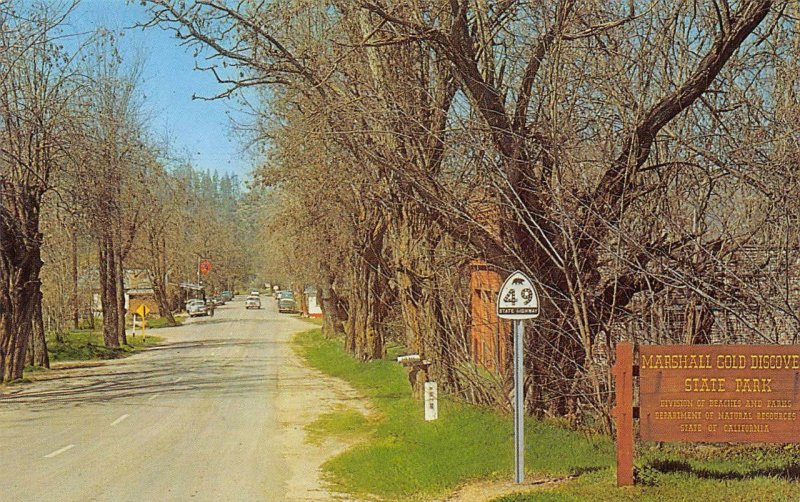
(719, 393)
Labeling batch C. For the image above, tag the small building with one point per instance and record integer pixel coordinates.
(134, 298)
(312, 306)
(139, 291)
(190, 291)
(490, 336)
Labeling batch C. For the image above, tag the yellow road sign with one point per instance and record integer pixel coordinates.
(142, 310)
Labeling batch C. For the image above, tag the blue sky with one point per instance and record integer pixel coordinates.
(200, 129)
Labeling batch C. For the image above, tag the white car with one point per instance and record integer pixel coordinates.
(196, 307)
(252, 302)
(255, 293)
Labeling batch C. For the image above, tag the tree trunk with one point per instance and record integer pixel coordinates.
(31, 349)
(329, 303)
(39, 341)
(17, 307)
(414, 243)
(371, 337)
(364, 333)
(158, 273)
(353, 305)
(364, 337)
(302, 300)
(160, 291)
(74, 302)
(119, 293)
(699, 322)
(108, 292)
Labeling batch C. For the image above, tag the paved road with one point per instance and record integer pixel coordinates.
(194, 419)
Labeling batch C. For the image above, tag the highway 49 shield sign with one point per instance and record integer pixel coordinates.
(518, 298)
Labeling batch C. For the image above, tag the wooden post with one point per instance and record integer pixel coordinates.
(623, 412)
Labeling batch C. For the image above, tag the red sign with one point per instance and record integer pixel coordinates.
(719, 393)
(205, 266)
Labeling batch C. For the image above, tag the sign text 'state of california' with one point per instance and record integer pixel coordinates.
(719, 393)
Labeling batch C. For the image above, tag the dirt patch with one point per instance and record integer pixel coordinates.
(66, 369)
(57, 371)
(71, 365)
(305, 395)
(490, 490)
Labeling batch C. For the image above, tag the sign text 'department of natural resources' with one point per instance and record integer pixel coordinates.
(719, 393)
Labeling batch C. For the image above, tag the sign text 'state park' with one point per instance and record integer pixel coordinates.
(719, 393)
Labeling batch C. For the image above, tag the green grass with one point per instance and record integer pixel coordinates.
(316, 321)
(691, 472)
(157, 323)
(406, 457)
(343, 423)
(87, 345)
(600, 486)
(403, 457)
(161, 322)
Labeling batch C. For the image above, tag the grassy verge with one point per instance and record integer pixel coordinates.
(316, 321)
(155, 323)
(403, 457)
(343, 423)
(600, 486)
(87, 345)
(692, 472)
(161, 322)
(406, 457)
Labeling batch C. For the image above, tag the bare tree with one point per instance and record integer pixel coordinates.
(592, 144)
(36, 107)
(111, 170)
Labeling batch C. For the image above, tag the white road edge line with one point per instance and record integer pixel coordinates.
(153, 397)
(59, 452)
(119, 420)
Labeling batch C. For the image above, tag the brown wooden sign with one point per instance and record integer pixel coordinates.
(719, 393)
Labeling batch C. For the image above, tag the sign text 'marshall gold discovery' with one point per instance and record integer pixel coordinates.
(718, 393)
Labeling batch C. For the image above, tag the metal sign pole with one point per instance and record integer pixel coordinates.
(519, 410)
(517, 301)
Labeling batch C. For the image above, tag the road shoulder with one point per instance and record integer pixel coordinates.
(305, 395)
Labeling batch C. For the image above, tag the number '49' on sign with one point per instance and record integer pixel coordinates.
(518, 298)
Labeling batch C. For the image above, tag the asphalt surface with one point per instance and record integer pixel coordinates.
(193, 419)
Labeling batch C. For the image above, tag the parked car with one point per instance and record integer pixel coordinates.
(255, 293)
(196, 307)
(226, 295)
(252, 302)
(286, 302)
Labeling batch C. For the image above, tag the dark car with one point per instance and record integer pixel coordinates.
(227, 295)
(286, 302)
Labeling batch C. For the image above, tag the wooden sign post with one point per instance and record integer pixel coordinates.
(623, 371)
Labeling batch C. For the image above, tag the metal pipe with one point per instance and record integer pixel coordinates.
(519, 404)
